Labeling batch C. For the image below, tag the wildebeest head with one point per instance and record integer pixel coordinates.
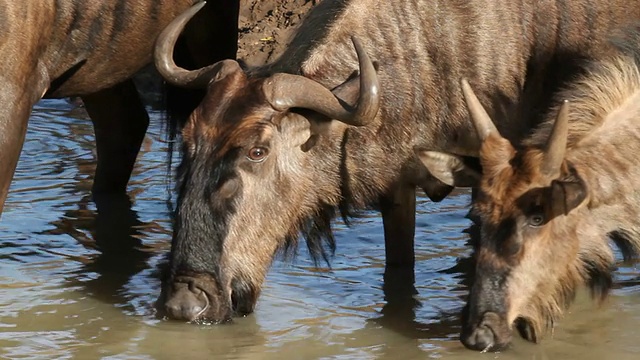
(529, 258)
(250, 175)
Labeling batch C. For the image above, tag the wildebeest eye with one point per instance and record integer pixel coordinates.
(257, 154)
(536, 219)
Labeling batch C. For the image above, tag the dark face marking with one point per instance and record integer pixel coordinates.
(208, 188)
(238, 161)
(528, 245)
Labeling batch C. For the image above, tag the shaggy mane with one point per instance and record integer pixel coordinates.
(607, 87)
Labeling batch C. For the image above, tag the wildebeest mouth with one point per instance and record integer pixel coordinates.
(195, 299)
(491, 333)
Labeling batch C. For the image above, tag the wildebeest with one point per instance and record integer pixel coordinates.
(549, 204)
(91, 49)
(273, 151)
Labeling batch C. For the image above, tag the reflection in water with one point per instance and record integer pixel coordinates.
(114, 231)
(79, 277)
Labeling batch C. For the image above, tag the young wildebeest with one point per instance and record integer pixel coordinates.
(262, 162)
(548, 207)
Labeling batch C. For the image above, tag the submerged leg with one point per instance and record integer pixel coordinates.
(120, 122)
(399, 219)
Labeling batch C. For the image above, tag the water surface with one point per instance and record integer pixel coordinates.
(78, 284)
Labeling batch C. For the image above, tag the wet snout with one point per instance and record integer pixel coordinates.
(196, 299)
(491, 333)
(186, 303)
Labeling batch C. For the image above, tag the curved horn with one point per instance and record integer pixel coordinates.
(556, 145)
(286, 91)
(163, 56)
(481, 120)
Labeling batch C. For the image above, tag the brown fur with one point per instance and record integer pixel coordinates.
(513, 52)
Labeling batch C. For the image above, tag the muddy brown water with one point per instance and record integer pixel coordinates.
(78, 284)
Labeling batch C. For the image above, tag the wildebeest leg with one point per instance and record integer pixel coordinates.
(16, 102)
(120, 123)
(399, 219)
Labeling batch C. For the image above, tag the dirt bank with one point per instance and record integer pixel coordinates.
(265, 27)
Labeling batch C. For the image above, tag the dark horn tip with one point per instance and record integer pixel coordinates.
(369, 101)
(284, 91)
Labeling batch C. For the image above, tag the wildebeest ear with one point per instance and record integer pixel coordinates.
(316, 129)
(435, 189)
(567, 194)
(450, 169)
(301, 133)
(348, 91)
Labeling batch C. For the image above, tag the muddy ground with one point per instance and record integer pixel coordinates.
(265, 27)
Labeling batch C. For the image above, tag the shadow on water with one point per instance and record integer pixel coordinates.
(400, 294)
(107, 226)
(399, 312)
(113, 230)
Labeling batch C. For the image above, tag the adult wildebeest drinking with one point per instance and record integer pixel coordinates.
(263, 162)
(548, 207)
(91, 49)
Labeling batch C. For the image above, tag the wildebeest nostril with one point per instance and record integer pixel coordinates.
(186, 303)
(491, 334)
(480, 338)
(484, 338)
